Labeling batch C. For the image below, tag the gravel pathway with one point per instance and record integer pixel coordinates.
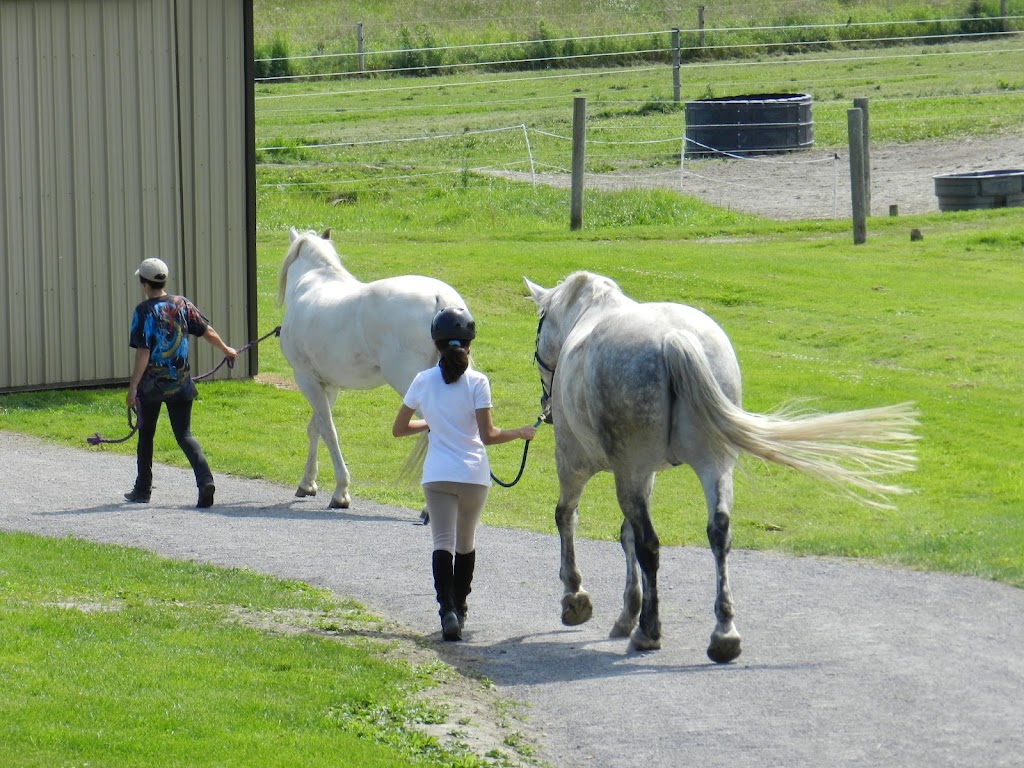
(844, 663)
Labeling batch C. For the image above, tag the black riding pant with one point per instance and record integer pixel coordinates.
(180, 415)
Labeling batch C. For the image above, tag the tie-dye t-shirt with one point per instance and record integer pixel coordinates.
(162, 326)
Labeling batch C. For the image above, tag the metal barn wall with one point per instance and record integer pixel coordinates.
(123, 134)
(218, 188)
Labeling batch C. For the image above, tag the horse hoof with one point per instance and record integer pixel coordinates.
(639, 641)
(724, 647)
(304, 492)
(339, 503)
(623, 627)
(576, 609)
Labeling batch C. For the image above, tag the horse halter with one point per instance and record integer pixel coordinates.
(545, 387)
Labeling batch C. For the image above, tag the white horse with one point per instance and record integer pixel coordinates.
(637, 388)
(339, 333)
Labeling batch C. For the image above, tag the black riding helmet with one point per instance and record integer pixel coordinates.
(453, 323)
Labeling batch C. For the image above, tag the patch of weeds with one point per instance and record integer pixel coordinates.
(281, 150)
(656, 107)
(389, 722)
(516, 742)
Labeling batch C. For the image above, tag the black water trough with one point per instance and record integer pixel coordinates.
(753, 124)
(980, 189)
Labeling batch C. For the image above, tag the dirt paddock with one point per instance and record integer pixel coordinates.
(816, 184)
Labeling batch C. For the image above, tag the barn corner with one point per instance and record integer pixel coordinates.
(127, 132)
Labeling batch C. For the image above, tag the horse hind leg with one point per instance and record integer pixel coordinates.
(307, 485)
(632, 595)
(634, 499)
(725, 640)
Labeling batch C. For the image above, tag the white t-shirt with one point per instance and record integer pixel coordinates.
(455, 452)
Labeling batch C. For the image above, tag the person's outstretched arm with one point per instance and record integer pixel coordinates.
(213, 338)
(492, 435)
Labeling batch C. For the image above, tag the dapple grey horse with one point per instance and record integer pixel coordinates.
(633, 389)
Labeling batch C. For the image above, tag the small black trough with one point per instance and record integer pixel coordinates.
(980, 189)
(753, 124)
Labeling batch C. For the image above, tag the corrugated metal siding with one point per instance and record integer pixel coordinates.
(96, 166)
(211, 45)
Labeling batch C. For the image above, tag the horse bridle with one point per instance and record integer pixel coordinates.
(545, 388)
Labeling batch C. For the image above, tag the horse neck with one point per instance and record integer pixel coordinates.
(583, 316)
(310, 261)
(302, 257)
(337, 271)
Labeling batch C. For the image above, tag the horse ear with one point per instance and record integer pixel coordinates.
(326, 234)
(293, 234)
(536, 292)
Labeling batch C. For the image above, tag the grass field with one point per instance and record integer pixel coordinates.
(397, 141)
(111, 656)
(556, 34)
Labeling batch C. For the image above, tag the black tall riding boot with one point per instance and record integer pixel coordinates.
(444, 578)
(464, 564)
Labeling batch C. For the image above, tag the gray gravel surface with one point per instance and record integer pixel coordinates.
(844, 663)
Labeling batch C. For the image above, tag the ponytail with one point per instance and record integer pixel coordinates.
(454, 360)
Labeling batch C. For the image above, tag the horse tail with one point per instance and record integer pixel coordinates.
(851, 450)
(282, 275)
(412, 467)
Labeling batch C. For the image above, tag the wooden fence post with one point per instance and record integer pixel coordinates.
(855, 130)
(359, 46)
(700, 26)
(675, 65)
(862, 105)
(579, 145)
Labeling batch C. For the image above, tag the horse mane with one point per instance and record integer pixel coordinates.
(578, 286)
(318, 252)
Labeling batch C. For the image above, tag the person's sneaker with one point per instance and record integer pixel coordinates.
(206, 496)
(135, 496)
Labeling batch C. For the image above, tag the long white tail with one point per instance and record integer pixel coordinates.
(412, 467)
(849, 449)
